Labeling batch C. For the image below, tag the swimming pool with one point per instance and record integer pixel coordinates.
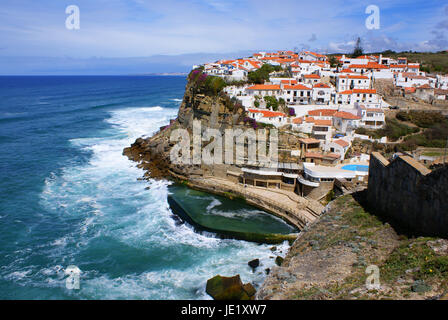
(356, 167)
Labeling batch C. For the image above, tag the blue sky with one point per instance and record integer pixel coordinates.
(115, 33)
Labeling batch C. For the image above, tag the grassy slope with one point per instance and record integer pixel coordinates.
(431, 62)
(409, 268)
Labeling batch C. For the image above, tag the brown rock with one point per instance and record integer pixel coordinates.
(229, 288)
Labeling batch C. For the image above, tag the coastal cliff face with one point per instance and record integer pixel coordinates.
(214, 111)
(154, 153)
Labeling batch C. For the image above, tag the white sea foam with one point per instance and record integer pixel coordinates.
(103, 201)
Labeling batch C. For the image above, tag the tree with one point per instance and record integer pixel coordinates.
(358, 51)
(262, 74)
(333, 62)
(271, 102)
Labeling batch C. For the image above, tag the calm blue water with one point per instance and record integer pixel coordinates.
(356, 167)
(69, 197)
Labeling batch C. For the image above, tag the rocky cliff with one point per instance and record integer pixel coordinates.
(215, 111)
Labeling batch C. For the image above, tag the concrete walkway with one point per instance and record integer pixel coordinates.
(287, 205)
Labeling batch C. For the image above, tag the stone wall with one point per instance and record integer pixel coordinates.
(408, 193)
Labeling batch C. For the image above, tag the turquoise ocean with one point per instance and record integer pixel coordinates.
(69, 197)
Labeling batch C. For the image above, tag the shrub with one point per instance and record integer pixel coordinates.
(292, 112)
(262, 74)
(271, 102)
(421, 118)
(212, 85)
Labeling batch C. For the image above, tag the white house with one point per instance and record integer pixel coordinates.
(409, 79)
(442, 82)
(343, 97)
(297, 94)
(346, 122)
(337, 146)
(264, 90)
(373, 118)
(322, 93)
(441, 94)
(367, 96)
(350, 81)
(277, 119)
(322, 129)
(311, 79)
(302, 124)
(308, 55)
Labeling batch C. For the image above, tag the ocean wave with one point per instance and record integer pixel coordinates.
(111, 218)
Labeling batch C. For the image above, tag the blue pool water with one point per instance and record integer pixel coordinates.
(356, 167)
(69, 197)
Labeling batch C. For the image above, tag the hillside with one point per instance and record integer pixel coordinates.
(432, 62)
(329, 260)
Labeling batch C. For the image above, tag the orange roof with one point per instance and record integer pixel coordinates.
(311, 76)
(374, 110)
(297, 87)
(409, 89)
(401, 66)
(322, 122)
(265, 87)
(309, 119)
(353, 76)
(342, 143)
(322, 112)
(313, 155)
(346, 92)
(370, 65)
(346, 71)
(283, 60)
(271, 114)
(332, 155)
(364, 90)
(321, 85)
(267, 113)
(315, 54)
(292, 81)
(346, 115)
(425, 86)
(297, 120)
(413, 76)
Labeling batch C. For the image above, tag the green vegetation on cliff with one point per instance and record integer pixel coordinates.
(330, 260)
(205, 84)
(393, 130)
(415, 128)
(434, 126)
(261, 75)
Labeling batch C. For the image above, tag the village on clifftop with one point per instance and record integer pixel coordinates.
(325, 98)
